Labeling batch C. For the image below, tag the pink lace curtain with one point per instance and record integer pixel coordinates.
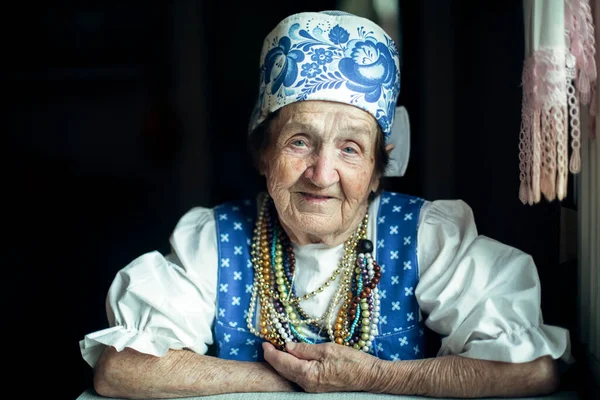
(559, 82)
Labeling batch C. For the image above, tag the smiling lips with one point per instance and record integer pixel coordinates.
(315, 197)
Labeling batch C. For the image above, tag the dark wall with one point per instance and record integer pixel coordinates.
(130, 114)
(127, 114)
(486, 127)
(93, 167)
(462, 88)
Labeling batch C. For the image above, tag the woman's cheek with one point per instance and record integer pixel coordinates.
(358, 184)
(286, 171)
(299, 167)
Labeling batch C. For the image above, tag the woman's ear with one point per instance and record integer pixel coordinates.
(389, 148)
(375, 183)
(376, 180)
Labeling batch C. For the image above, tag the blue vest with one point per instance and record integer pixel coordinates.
(400, 334)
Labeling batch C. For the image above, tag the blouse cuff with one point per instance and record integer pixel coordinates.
(522, 345)
(119, 337)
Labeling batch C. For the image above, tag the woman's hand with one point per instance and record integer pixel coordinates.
(323, 367)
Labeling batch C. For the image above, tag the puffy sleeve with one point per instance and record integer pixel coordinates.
(157, 302)
(482, 296)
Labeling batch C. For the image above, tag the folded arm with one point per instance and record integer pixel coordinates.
(457, 376)
(180, 373)
(334, 368)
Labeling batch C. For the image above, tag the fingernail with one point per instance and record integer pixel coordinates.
(290, 345)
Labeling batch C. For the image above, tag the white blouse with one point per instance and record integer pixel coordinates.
(481, 296)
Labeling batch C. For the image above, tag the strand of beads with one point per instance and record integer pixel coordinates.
(290, 264)
(291, 301)
(282, 319)
(289, 314)
(279, 322)
(261, 284)
(340, 328)
(344, 287)
(360, 298)
(282, 316)
(365, 304)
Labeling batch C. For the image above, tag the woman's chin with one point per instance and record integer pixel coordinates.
(315, 224)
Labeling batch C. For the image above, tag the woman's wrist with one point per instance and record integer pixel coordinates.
(377, 376)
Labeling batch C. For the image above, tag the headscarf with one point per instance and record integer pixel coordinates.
(335, 56)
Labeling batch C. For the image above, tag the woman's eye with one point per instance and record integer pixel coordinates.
(349, 150)
(299, 143)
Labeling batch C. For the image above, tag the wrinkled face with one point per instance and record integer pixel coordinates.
(319, 168)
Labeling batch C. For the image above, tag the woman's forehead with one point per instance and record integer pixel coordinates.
(314, 113)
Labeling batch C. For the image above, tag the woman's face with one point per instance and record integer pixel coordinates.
(319, 168)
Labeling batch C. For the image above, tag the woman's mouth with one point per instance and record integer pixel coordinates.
(315, 198)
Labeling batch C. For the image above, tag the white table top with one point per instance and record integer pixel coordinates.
(563, 395)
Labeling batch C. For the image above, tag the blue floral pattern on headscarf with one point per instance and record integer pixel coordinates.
(369, 67)
(322, 56)
(327, 56)
(281, 65)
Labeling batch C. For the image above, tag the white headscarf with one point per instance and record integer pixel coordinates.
(335, 56)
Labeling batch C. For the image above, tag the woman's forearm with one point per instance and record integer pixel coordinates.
(457, 376)
(180, 373)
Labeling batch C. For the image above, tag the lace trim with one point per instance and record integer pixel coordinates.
(543, 134)
(579, 29)
(579, 37)
(556, 82)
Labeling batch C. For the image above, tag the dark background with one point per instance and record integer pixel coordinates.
(130, 113)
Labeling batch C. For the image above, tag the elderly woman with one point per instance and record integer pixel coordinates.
(326, 283)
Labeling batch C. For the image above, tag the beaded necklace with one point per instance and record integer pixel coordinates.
(282, 319)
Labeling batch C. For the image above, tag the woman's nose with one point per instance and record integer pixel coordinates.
(323, 172)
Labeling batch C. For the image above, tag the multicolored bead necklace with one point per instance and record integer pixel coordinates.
(282, 319)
